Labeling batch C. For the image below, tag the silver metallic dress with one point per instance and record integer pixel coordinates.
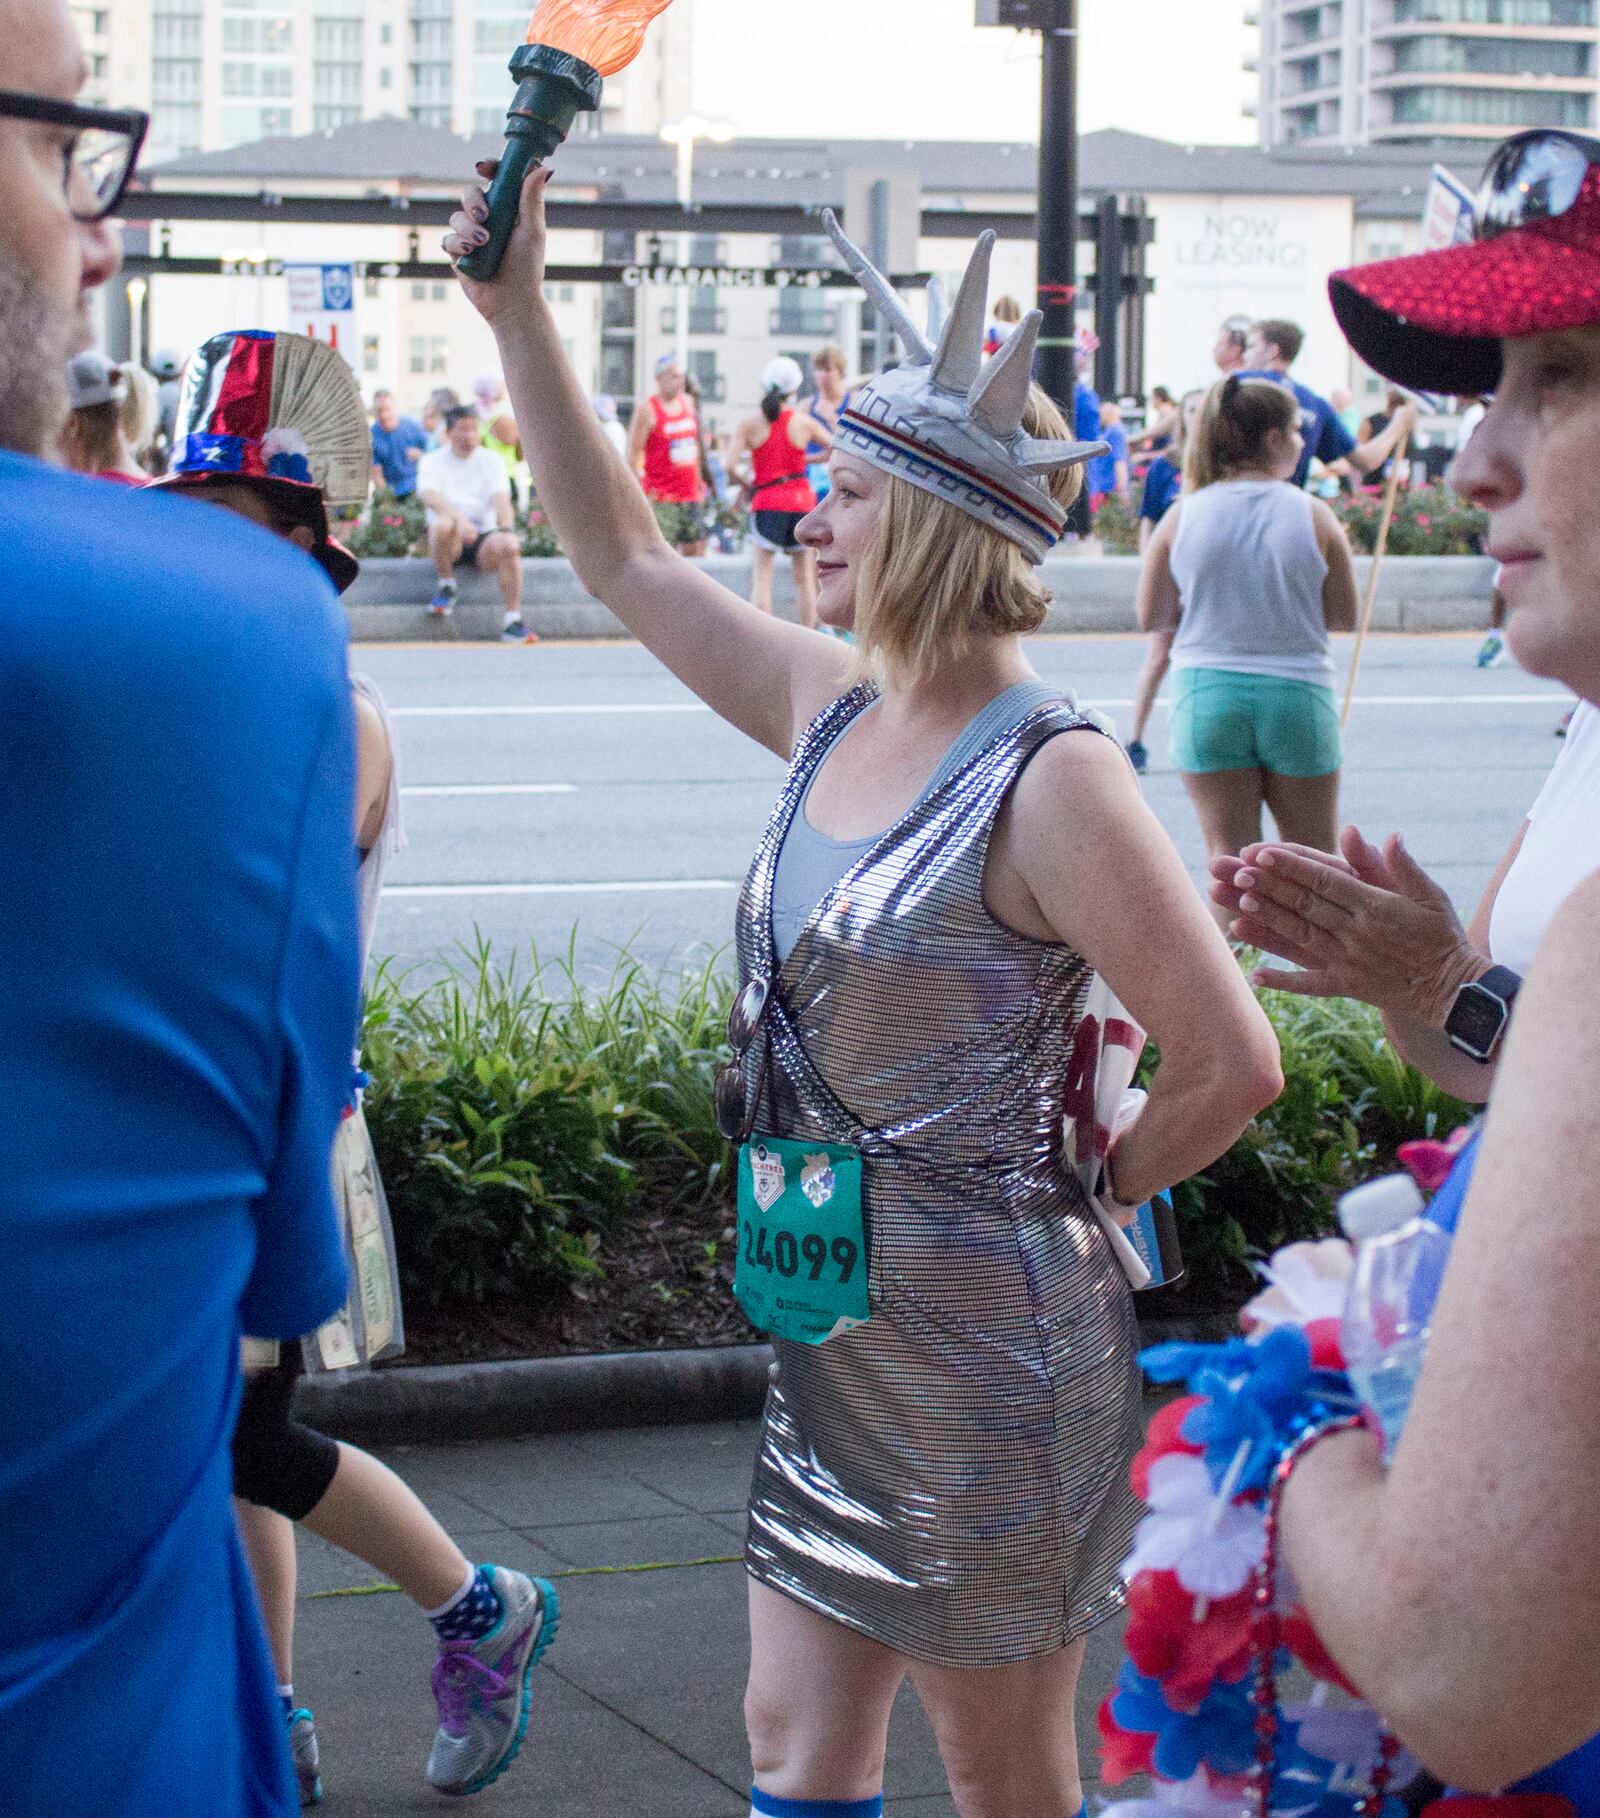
(950, 1479)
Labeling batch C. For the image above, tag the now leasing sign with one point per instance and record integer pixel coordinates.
(1255, 256)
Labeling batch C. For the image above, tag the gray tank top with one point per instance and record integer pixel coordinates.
(810, 864)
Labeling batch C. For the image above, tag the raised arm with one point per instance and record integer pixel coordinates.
(1461, 1593)
(1369, 456)
(749, 667)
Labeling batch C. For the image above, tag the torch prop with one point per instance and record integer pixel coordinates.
(1378, 548)
(573, 45)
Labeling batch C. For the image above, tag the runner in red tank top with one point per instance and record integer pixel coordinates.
(664, 449)
(781, 492)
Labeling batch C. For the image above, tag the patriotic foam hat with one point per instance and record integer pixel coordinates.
(281, 413)
(949, 421)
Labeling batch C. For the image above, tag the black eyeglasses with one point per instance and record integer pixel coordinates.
(1534, 176)
(98, 159)
(736, 1115)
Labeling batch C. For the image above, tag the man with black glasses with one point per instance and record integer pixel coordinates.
(178, 987)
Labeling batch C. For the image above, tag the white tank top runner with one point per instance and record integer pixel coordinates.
(1250, 574)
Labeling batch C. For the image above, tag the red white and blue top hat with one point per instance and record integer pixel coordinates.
(282, 413)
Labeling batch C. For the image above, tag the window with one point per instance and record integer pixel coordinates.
(1494, 12)
(385, 78)
(1488, 107)
(418, 292)
(386, 34)
(369, 353)
(705, 315)
(330, 119)
(438, 354)
(277, 122)
(277, 79)
(419, 354)
(703, 364)
(369, 287)
(175, 35)
(803, 249)
(616, 368)
(803, 312)
(617, 248)
(337, 39)
(1492, 57)
(238, 78)
(174, 80)
(438, 293)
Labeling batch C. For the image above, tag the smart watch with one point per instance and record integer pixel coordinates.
(1478, 1017)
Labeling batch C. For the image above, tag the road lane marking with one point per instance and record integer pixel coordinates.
(632, 887)
(549, 710)
(545, 709)
(490, 789)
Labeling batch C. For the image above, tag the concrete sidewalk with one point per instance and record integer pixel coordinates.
(636, 1708)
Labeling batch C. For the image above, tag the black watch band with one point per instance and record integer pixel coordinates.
(1479, 1016)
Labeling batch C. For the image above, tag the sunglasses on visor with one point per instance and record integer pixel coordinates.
(1535, 176)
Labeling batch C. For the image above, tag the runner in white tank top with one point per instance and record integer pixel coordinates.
(1251, 574)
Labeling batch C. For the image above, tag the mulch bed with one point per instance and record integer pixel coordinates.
(660, 1291)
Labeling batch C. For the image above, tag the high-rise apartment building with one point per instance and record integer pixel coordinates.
(217, 73)
(1368, 72)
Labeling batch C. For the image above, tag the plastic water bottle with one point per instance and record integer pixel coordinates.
(1400, 1261)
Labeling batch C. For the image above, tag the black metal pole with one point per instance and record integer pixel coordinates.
(1058, 205)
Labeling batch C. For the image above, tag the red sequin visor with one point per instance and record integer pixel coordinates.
(1435, 321)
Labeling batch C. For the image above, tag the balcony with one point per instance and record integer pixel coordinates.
(1478, 110)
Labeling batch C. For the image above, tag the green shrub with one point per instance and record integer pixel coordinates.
(514, 1127)
(517, 1126)
(1116, 526)
(391, 527)
(1428, 520)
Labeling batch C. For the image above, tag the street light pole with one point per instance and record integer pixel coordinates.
(1058, 202)
(685, 134)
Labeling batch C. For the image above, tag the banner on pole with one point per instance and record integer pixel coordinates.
(1449, 213)
(322, 304)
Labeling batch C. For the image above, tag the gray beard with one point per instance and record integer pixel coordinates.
(35, 346)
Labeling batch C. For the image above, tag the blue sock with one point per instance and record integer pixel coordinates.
(286, 1699)
(471, 1613)
(769, 1805)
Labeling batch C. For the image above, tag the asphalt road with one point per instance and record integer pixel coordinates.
(575, 795)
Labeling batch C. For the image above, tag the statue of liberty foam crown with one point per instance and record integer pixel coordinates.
(949, 421)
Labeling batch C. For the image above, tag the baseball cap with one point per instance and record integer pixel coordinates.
(782, 374)
(1434, 321)
(93, 379)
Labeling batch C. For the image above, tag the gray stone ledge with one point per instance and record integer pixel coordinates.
(388, 601)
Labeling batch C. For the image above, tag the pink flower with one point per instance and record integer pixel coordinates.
(1423, 519)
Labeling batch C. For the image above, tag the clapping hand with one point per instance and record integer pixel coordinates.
(1368, 924)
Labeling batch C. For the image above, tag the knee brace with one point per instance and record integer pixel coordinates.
(277, 1462)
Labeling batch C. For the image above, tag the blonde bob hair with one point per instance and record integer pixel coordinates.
(937, 579)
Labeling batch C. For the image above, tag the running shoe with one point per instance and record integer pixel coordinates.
(307, 1761)
(443, 602)
(515, 632)
(1491, 651)
(1138, 756)
(483, 1688)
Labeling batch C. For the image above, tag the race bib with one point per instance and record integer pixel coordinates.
(684, 451)
(802, 1269)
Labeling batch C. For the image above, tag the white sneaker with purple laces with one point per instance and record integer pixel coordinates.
(483, 1688)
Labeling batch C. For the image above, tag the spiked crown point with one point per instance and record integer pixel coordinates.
(949, 422)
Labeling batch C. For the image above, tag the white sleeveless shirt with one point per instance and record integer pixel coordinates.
(1250, 574)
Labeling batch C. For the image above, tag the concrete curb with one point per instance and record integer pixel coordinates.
(435, 1404)
(388, 601)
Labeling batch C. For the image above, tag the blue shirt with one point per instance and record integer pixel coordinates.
(178, 991)
(1086, 413)
(389, 452)
(1162, 484)
(1101, 472)
(1326, 438)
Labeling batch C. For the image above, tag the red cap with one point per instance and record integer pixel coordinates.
(1435, 321)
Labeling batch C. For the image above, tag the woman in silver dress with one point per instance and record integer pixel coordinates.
(941, 1491)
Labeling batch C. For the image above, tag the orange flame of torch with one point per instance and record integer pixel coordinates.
(606, 34)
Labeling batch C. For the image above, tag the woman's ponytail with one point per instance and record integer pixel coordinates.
(1231, 433)
(772, 404)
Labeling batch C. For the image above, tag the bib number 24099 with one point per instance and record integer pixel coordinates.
(802, 1267)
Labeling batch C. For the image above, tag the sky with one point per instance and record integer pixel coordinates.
(904, 69)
